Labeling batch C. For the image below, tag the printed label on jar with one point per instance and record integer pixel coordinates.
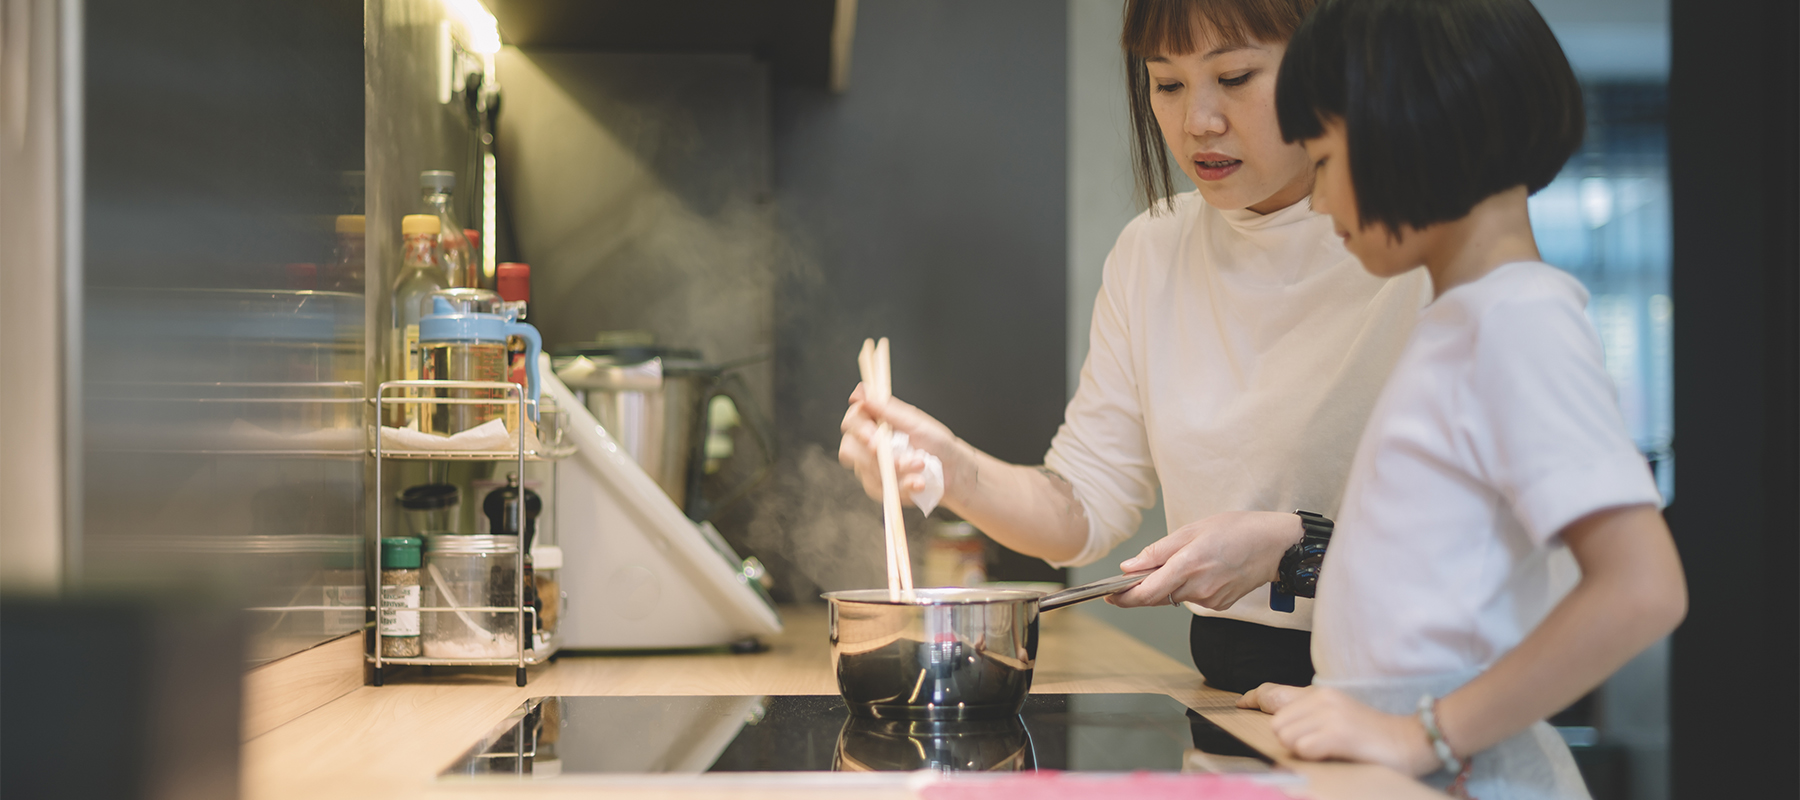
(394, 621)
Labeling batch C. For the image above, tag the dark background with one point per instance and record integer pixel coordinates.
(932, 198)
(1735, 668)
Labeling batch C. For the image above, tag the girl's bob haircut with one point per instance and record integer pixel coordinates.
(1166, 28)
(1444, 102)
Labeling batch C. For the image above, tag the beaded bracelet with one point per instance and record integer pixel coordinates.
(1428, 718)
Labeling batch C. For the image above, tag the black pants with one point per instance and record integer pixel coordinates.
(1238, 656)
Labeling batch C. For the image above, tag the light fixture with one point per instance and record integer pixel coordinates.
(480, 33)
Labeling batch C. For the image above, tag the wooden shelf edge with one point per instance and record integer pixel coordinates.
(281, 691)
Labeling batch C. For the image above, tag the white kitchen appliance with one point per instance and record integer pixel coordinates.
(638, 574)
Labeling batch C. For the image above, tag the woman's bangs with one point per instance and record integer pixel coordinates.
(1168, 27)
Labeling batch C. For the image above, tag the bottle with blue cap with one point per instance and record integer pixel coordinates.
(467, 345)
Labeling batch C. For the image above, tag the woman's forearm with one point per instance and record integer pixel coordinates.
(1028, 509)
(1631, 594)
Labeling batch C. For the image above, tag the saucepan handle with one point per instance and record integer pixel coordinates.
(1089, 591)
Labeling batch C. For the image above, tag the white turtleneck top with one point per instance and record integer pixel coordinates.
(1233, 360)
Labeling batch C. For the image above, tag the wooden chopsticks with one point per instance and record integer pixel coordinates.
(877, 378)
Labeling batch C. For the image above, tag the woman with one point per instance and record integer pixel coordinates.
(1235, 353)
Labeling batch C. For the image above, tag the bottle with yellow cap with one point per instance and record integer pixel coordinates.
(421, 274)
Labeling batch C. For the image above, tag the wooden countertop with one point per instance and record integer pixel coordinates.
(389, 743)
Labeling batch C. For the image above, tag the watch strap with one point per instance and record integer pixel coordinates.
(1298, 574)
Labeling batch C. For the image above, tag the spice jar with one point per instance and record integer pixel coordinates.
(547, 562)
(468, 572)
(399, 592)
(956, 555)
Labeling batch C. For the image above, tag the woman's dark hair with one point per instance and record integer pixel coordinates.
(1444, 103)
(1166, 27)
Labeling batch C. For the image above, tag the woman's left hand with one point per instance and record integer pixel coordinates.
(1213, 562)
(1319, 723)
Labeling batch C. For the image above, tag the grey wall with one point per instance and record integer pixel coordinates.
(637, 187)
(214, 136)
(928, 204)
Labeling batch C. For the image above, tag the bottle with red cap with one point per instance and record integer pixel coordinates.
(513, 281)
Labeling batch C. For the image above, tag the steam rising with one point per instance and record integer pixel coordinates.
(816, 516)
(638, 188)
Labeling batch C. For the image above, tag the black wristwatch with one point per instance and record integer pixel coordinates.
(1298, 575)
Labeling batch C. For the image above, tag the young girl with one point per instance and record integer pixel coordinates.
(1443, 636)
(1236, 350)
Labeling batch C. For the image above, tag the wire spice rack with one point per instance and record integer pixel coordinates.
(528, 651)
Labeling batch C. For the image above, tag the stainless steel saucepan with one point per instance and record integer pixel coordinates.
(944, 654)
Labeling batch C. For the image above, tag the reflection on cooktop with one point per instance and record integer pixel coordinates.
(550, 737)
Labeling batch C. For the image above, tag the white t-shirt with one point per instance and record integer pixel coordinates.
(1498, 428)
(1234, 357)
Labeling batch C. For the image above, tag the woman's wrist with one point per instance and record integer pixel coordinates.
(1285, 531)
(962, 476)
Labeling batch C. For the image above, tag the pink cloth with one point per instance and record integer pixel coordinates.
(1077, 786)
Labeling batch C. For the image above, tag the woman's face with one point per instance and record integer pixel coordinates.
(1333, 193)
(1216, 108)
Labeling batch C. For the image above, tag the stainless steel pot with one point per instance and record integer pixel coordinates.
(894, 745)
(943, 654)
(654, 401)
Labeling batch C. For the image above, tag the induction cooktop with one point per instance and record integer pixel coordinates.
(584, 738)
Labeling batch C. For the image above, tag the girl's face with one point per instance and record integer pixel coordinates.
(1333, 193)
(1216, 108)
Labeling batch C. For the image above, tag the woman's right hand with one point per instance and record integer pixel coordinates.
(857, 448)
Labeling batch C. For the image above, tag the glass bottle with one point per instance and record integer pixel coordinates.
(420, 276)
(460, 267)
(345, 272)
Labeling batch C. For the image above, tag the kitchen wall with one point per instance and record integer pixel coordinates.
(926, 203)
(637, 187)
(218, 446)
(214, 136)
(690, 196)
(411, 128)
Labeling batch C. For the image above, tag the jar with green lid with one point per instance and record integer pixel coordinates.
(400, 591)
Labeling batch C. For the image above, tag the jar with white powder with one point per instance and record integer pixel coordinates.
(474, 582)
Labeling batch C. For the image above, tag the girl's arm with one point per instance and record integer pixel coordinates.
(1631, 593)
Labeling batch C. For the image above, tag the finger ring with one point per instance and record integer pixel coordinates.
(1172, 600)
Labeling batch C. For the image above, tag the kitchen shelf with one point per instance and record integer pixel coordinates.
(475, 455)
(527, 651)
(533, 656)
(176, 419)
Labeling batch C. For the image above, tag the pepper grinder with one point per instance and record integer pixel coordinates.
(500, 507)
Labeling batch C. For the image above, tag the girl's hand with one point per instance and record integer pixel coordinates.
(1213, 562)
(1319, 723)
(857, 449)
(1271, 697)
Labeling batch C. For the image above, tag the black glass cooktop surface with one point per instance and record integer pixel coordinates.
(586, 737)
